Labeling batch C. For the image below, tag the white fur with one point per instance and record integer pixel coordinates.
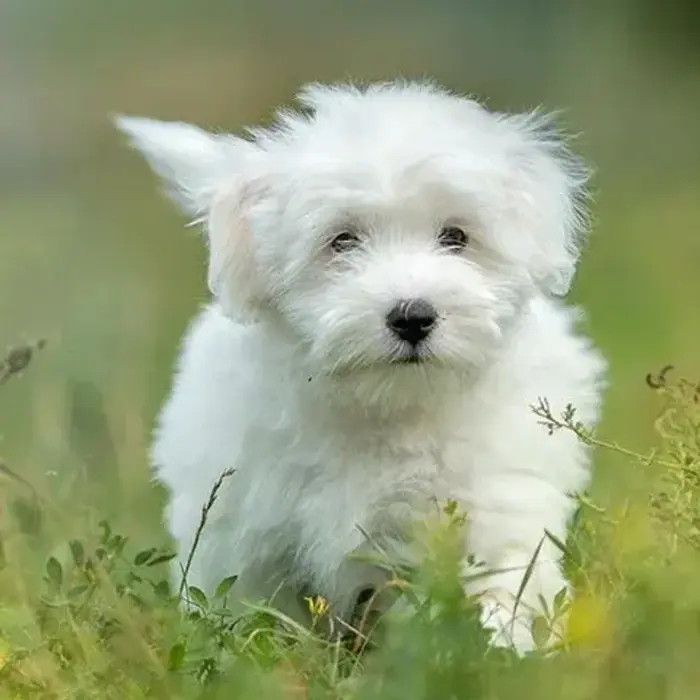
(287, 377)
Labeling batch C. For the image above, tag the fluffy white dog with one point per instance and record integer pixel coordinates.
(384, 265)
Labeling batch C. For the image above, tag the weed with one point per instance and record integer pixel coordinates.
(101, 620)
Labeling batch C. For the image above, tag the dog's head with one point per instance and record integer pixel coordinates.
(396, 225)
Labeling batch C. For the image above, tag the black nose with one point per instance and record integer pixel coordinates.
(412, 320)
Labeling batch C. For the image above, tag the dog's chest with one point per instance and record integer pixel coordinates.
(371, 489)
(322, 490)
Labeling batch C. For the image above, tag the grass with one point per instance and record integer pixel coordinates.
(98, 618)
(75, 429)
(94, 261)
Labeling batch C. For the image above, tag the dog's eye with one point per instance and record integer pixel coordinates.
(347, 240)
(453, 238)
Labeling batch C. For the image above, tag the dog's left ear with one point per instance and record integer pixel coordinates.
(549, 195)
(207, 176)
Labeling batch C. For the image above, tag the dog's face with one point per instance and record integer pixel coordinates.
(388, 229)
(375, 262)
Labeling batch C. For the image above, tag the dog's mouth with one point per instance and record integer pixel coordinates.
(419, 356)
(415, 356)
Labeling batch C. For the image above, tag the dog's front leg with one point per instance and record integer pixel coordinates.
(515, 590)
(517, 574)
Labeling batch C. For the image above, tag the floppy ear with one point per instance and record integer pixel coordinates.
(205, 175)
(549, 193)
(233, 274)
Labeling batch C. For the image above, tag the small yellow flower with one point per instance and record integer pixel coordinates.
(318, 606)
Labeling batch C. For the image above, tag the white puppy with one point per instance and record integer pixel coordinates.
(383, 265)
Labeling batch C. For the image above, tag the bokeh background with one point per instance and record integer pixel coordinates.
(95, 260)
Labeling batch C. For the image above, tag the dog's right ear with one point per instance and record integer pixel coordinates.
(204, 175)
(192, 163)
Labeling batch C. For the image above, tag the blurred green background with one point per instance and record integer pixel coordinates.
(96, 261)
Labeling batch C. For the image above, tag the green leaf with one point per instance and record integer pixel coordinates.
(117, 543)
(450, 508)
(142, 557)
(78, 590)
(197, 596)
(557, 543)
(207, 669)
(28, 515)
(540, 631)
(176, 656)
(162, 589)
(137, 600)
(78, 552)
(106, 531)
(560, 601)
(162, 558)
(527, 576)
(54, 571)
(225, 586)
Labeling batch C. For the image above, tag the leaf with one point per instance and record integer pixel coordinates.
(540, 631)
(28, 515)
(162, 558)
(78, 590)
(225, 586)
(142, 557)
(176, 656)
(450, 508)
(162, 589)
(54, 571)
(117, 544)
(78, 552)
(527, 576)
(137, 600)
(207, 669)
(560, 601)
(557, 543)
(106, 531)
(196, 595)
